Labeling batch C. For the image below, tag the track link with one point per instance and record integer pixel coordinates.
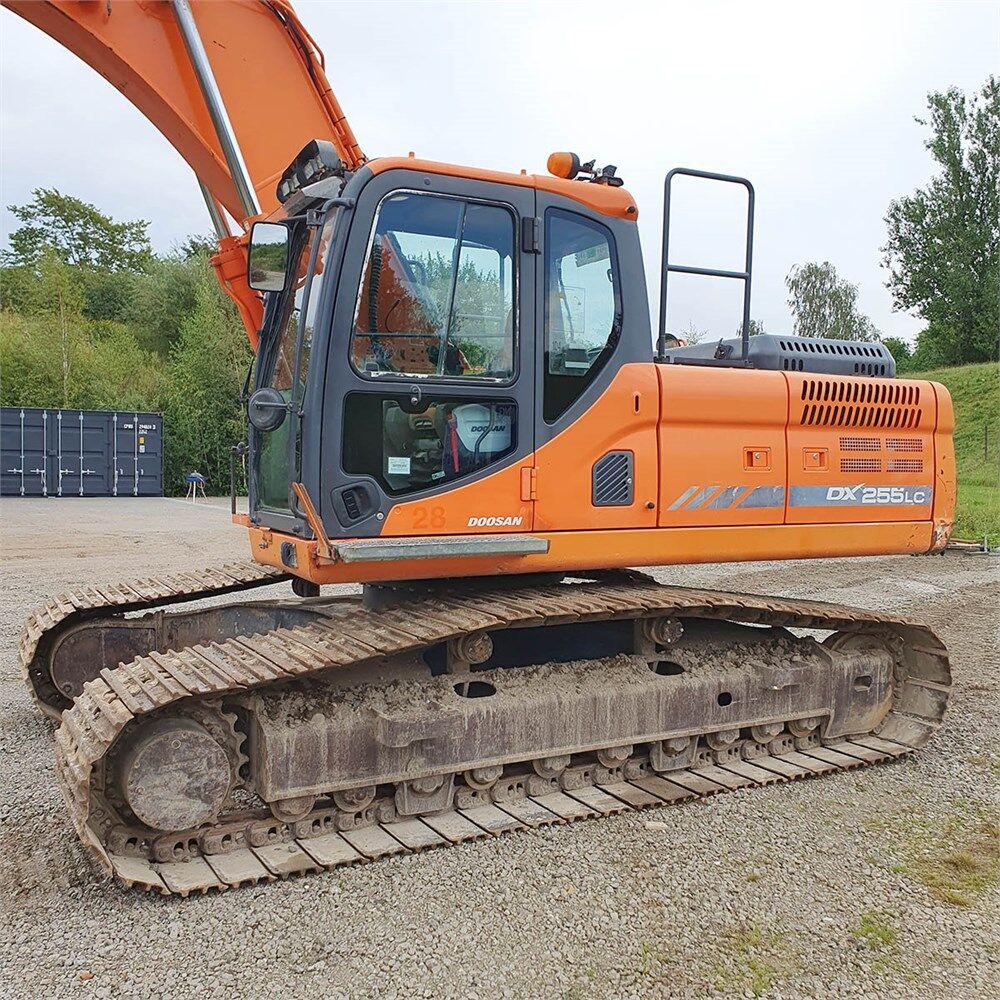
(58, 615)
(258, 848)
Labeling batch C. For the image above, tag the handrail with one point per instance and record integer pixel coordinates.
(666, 267)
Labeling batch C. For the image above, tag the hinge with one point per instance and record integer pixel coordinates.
(529, 483)
(529, 234)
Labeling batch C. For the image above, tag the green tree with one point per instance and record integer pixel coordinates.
(60, 295)
(900, 350)
(77, 232)
(203, 417)
(756, 328)
(943, 250)
(162, 297)
(825, 305)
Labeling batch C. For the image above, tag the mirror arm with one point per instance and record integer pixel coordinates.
(245, 394)
(315, 217)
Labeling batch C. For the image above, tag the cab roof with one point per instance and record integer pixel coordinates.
(601, 198)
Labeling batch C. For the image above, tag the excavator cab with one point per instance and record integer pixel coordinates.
(432, 329)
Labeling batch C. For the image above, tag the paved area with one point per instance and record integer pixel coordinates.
(879, 883)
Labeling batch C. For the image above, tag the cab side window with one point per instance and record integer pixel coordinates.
(582, 306)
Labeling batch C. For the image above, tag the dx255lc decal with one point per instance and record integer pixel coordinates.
(860, 495)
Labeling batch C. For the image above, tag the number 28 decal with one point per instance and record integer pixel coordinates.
(428, 518)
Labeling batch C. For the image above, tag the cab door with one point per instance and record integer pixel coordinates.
(596, 453)
(282, 364)
(429, 407)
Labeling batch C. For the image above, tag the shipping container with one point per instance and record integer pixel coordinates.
(80, 453)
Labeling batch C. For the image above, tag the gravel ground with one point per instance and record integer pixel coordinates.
(829, 888)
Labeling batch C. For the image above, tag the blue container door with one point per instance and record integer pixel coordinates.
(25, 463)
(82, 458)
(137, 454)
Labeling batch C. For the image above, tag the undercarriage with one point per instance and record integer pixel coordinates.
(254, 741)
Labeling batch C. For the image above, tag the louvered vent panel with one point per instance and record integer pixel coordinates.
(882, 405)
(903, 444)
(860, 444)
(905, 465)
(612, 483)
(861, 465)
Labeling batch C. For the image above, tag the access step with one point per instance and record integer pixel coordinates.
(438, 547)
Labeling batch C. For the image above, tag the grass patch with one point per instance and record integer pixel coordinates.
(959, 860)
(962, 874)
(978, 512)
(755, 959)
(982, 762)
(875, 930)
(975, 392)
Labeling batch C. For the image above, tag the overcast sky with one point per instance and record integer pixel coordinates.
(813, 102)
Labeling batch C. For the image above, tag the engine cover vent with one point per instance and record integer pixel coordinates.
(861, 465)
(613, 481)
(905, 465)
(903, 444)
(860, 444)
(882, 405)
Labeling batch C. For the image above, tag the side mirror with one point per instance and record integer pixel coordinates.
(267, 409)
(268, 264)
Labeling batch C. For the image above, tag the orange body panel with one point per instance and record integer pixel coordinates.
(624, 418)
(713, 438)
(721, 446)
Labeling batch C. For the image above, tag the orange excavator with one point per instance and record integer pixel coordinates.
(457, 402)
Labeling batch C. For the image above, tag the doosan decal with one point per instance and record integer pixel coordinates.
(495, 522)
